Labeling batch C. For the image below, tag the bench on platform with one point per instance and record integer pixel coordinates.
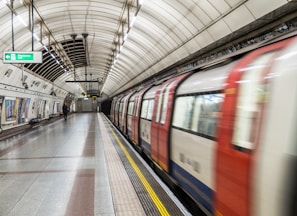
(34, 122)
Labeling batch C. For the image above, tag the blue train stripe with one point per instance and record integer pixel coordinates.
(199, 191)
(129, 133)
(146, 147)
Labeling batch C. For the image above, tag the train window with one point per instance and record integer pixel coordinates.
(144, 108)
(183, 112)
(250, 95)
(117, 107)
(206, 114)
(136, 111)
(134, 108)
(198, 113)
(150, 109)
(121, 107)
(147, 109)
(165, 103)
(162, 103)
(130, 108)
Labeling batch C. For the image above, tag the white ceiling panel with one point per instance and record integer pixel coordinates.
(202, 15)
(23, 36)
(219, 30)
(208, 9)
(183, 31)
(192, 46)
(204, 39)
(220, 5)
(260, 8)
(194, 24)
(232, 19)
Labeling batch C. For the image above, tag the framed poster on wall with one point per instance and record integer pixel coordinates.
(1, 105)
(10, 114)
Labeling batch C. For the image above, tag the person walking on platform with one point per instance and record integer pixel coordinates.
(65, 111)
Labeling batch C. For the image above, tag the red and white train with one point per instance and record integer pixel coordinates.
(227, 135)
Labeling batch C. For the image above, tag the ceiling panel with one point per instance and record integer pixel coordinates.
(219, 30)
(260, 8)
(221, 6)
(232, 19)
(208, 9)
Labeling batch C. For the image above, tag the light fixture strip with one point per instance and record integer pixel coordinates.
(40, 31)
(50, 36)
(12, 25)
(21, 20)
(32, 23)
(124, 34)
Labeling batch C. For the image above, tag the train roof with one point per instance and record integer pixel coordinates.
(206, 80)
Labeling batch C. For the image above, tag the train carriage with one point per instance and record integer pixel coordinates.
(136, 104)
(120, 116)
(146, 120)
(112, 109)
(117, 111)
(193, 133)
(161, 120)
(130, 115)
(275, 160)
(124, 112)
(243, 108)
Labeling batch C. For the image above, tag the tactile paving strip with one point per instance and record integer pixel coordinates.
(145, 199)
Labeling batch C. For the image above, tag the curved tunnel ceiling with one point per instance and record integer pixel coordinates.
(120, 43)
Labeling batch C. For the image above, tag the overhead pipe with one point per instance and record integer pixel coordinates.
(85, 35)
(12, 25)
(73, 36)
(32, 23)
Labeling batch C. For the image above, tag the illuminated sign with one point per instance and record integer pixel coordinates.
(22, 57)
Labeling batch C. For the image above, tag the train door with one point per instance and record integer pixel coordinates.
(121, 107)
(135, 124)
(130, 115)
(135, 120)
(117, 107)
(112, 109)
(239, 131)
(46, 110)
(125, 113)
(161, 121)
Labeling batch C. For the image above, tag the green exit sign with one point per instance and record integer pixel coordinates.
(22, 57)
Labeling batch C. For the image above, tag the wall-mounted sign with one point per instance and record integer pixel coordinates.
(22, 57)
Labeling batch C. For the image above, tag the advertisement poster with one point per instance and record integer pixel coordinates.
(19, 104)
(23, 109)
(58, 108)
(26, 107)
(10, 110)
(1, 104)
(15, 110)
(35, 108)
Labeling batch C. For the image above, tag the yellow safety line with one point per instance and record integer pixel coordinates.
(162, 209)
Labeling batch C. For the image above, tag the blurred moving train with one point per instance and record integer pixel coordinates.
(225, 134)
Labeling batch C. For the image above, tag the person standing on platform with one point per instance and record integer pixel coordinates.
(65, 111)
